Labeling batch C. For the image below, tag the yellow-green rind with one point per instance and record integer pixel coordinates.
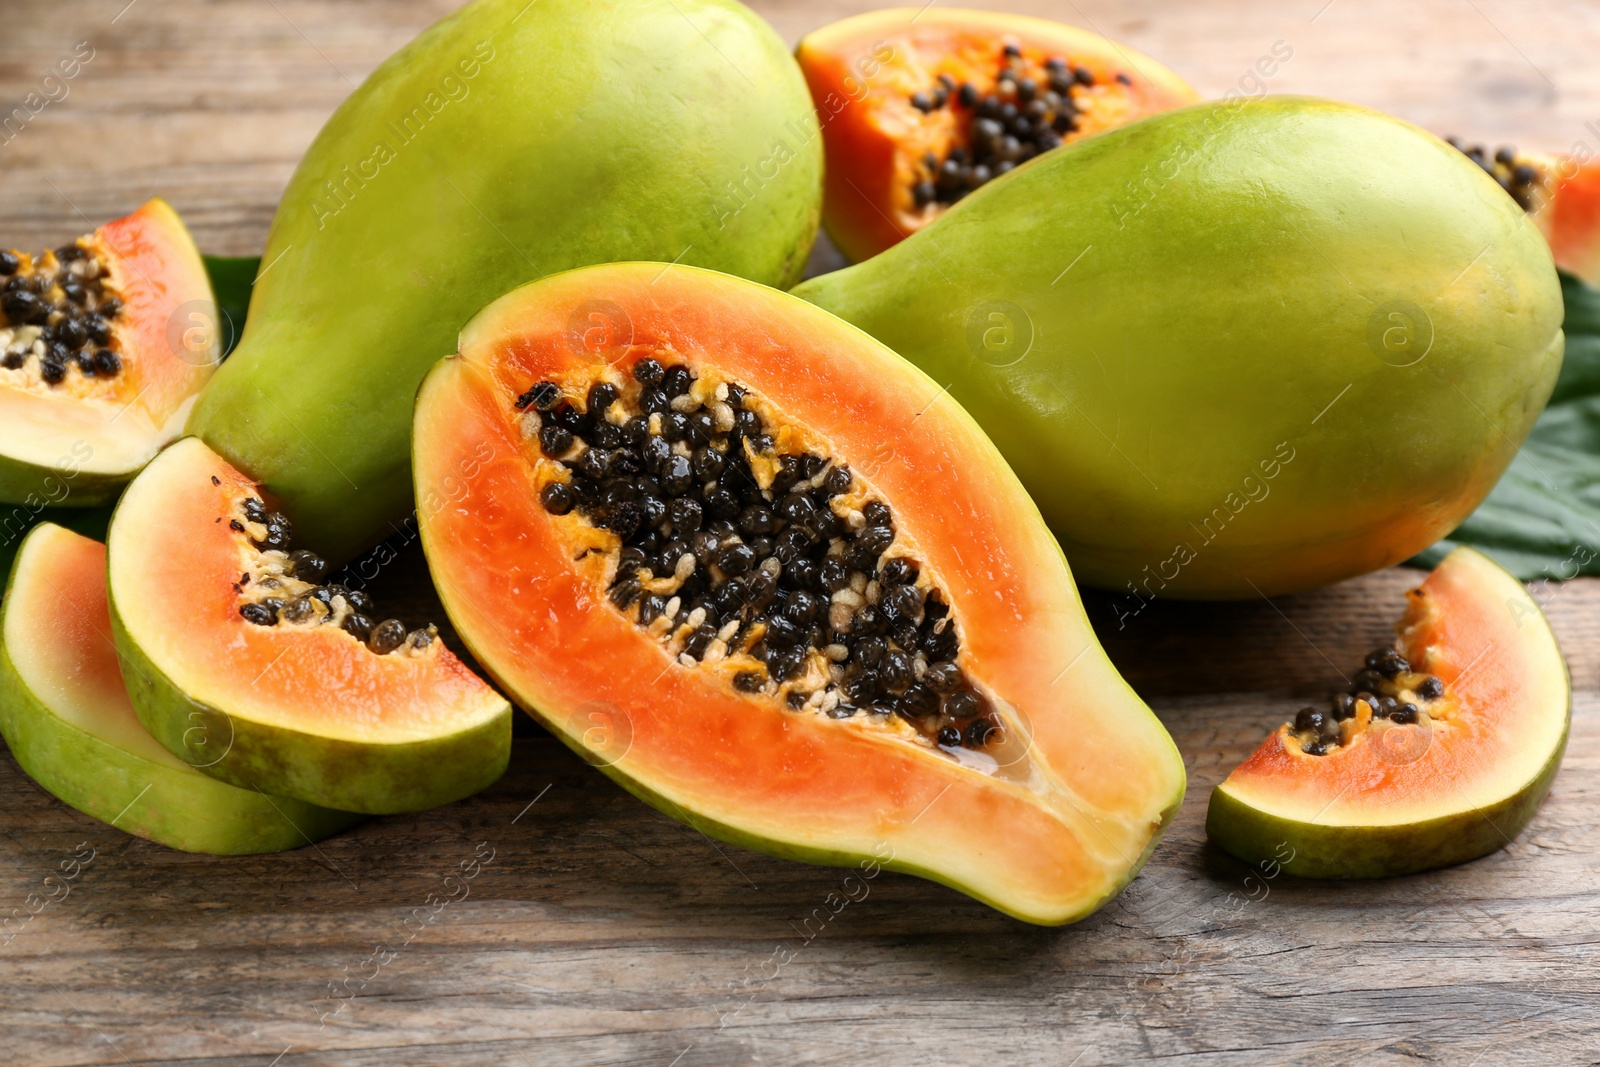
(29, 485)
(1330, 851)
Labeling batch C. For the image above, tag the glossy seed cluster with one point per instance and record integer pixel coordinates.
(773, 566)
(1389, 688)
(1030, 110)
(1521, 180)
(56, 316)
(285, 587)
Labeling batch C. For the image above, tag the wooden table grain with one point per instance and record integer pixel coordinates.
(599, 931)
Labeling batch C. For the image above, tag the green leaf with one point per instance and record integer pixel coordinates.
(1543, 519)
(232, 278)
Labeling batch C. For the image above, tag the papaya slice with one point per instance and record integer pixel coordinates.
(104, 344)
(67, 719)
(776, 583)
(248, 665)
(921, 106)
(1561, 194)
(1439, 753)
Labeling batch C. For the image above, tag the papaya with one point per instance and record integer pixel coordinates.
(17, 519)
(1561, 194)
(1439, 751)
(767, 576)
(66, 718)
(1237, 349)
(248, 664)
(104, 344)
(919, 107)
(509, 141)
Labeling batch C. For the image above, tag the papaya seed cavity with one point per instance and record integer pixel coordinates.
(283, 586)
(57, 319)
(737, 540)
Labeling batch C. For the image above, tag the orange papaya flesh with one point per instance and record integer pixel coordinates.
(1561, 194)
(918, 108)
(770, 695)
(245, 663)
(104, 344)
(1439, 752)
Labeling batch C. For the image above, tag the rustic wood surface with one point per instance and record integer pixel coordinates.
(603, 932)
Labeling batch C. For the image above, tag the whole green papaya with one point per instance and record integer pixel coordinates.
(1235, 350)
(509, 141)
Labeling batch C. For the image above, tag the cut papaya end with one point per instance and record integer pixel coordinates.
(908, 123)
(104, 344)
(68, 722)
(247, 667)
(1561, 194)
(844, 511)
(1439, 753)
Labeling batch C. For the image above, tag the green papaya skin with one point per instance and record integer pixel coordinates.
(509, 141)
(1235, 350)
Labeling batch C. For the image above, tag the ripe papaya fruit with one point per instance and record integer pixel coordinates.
(104, 344)
(1439, 752)
(920, 106)
(1238, 349)
(772, 580)
(66, 718)
(509, 141)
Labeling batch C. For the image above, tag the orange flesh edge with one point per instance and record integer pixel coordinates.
(65, 604)
(875, 140)
(155, 268)
(320, 679)
(1473, 645)
(544, 628)
(1571, 220)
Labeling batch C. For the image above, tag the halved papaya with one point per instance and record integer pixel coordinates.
(1439, 752)
(104, 344)
(778, 584)
(66, 717)
(247, 665)
(920, 106)
(1560, 193)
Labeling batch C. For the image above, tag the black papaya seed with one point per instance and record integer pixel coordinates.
(258, 614)
(387, 636)
(308, 566)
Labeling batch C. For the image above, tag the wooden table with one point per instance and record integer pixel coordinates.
(603, 932)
